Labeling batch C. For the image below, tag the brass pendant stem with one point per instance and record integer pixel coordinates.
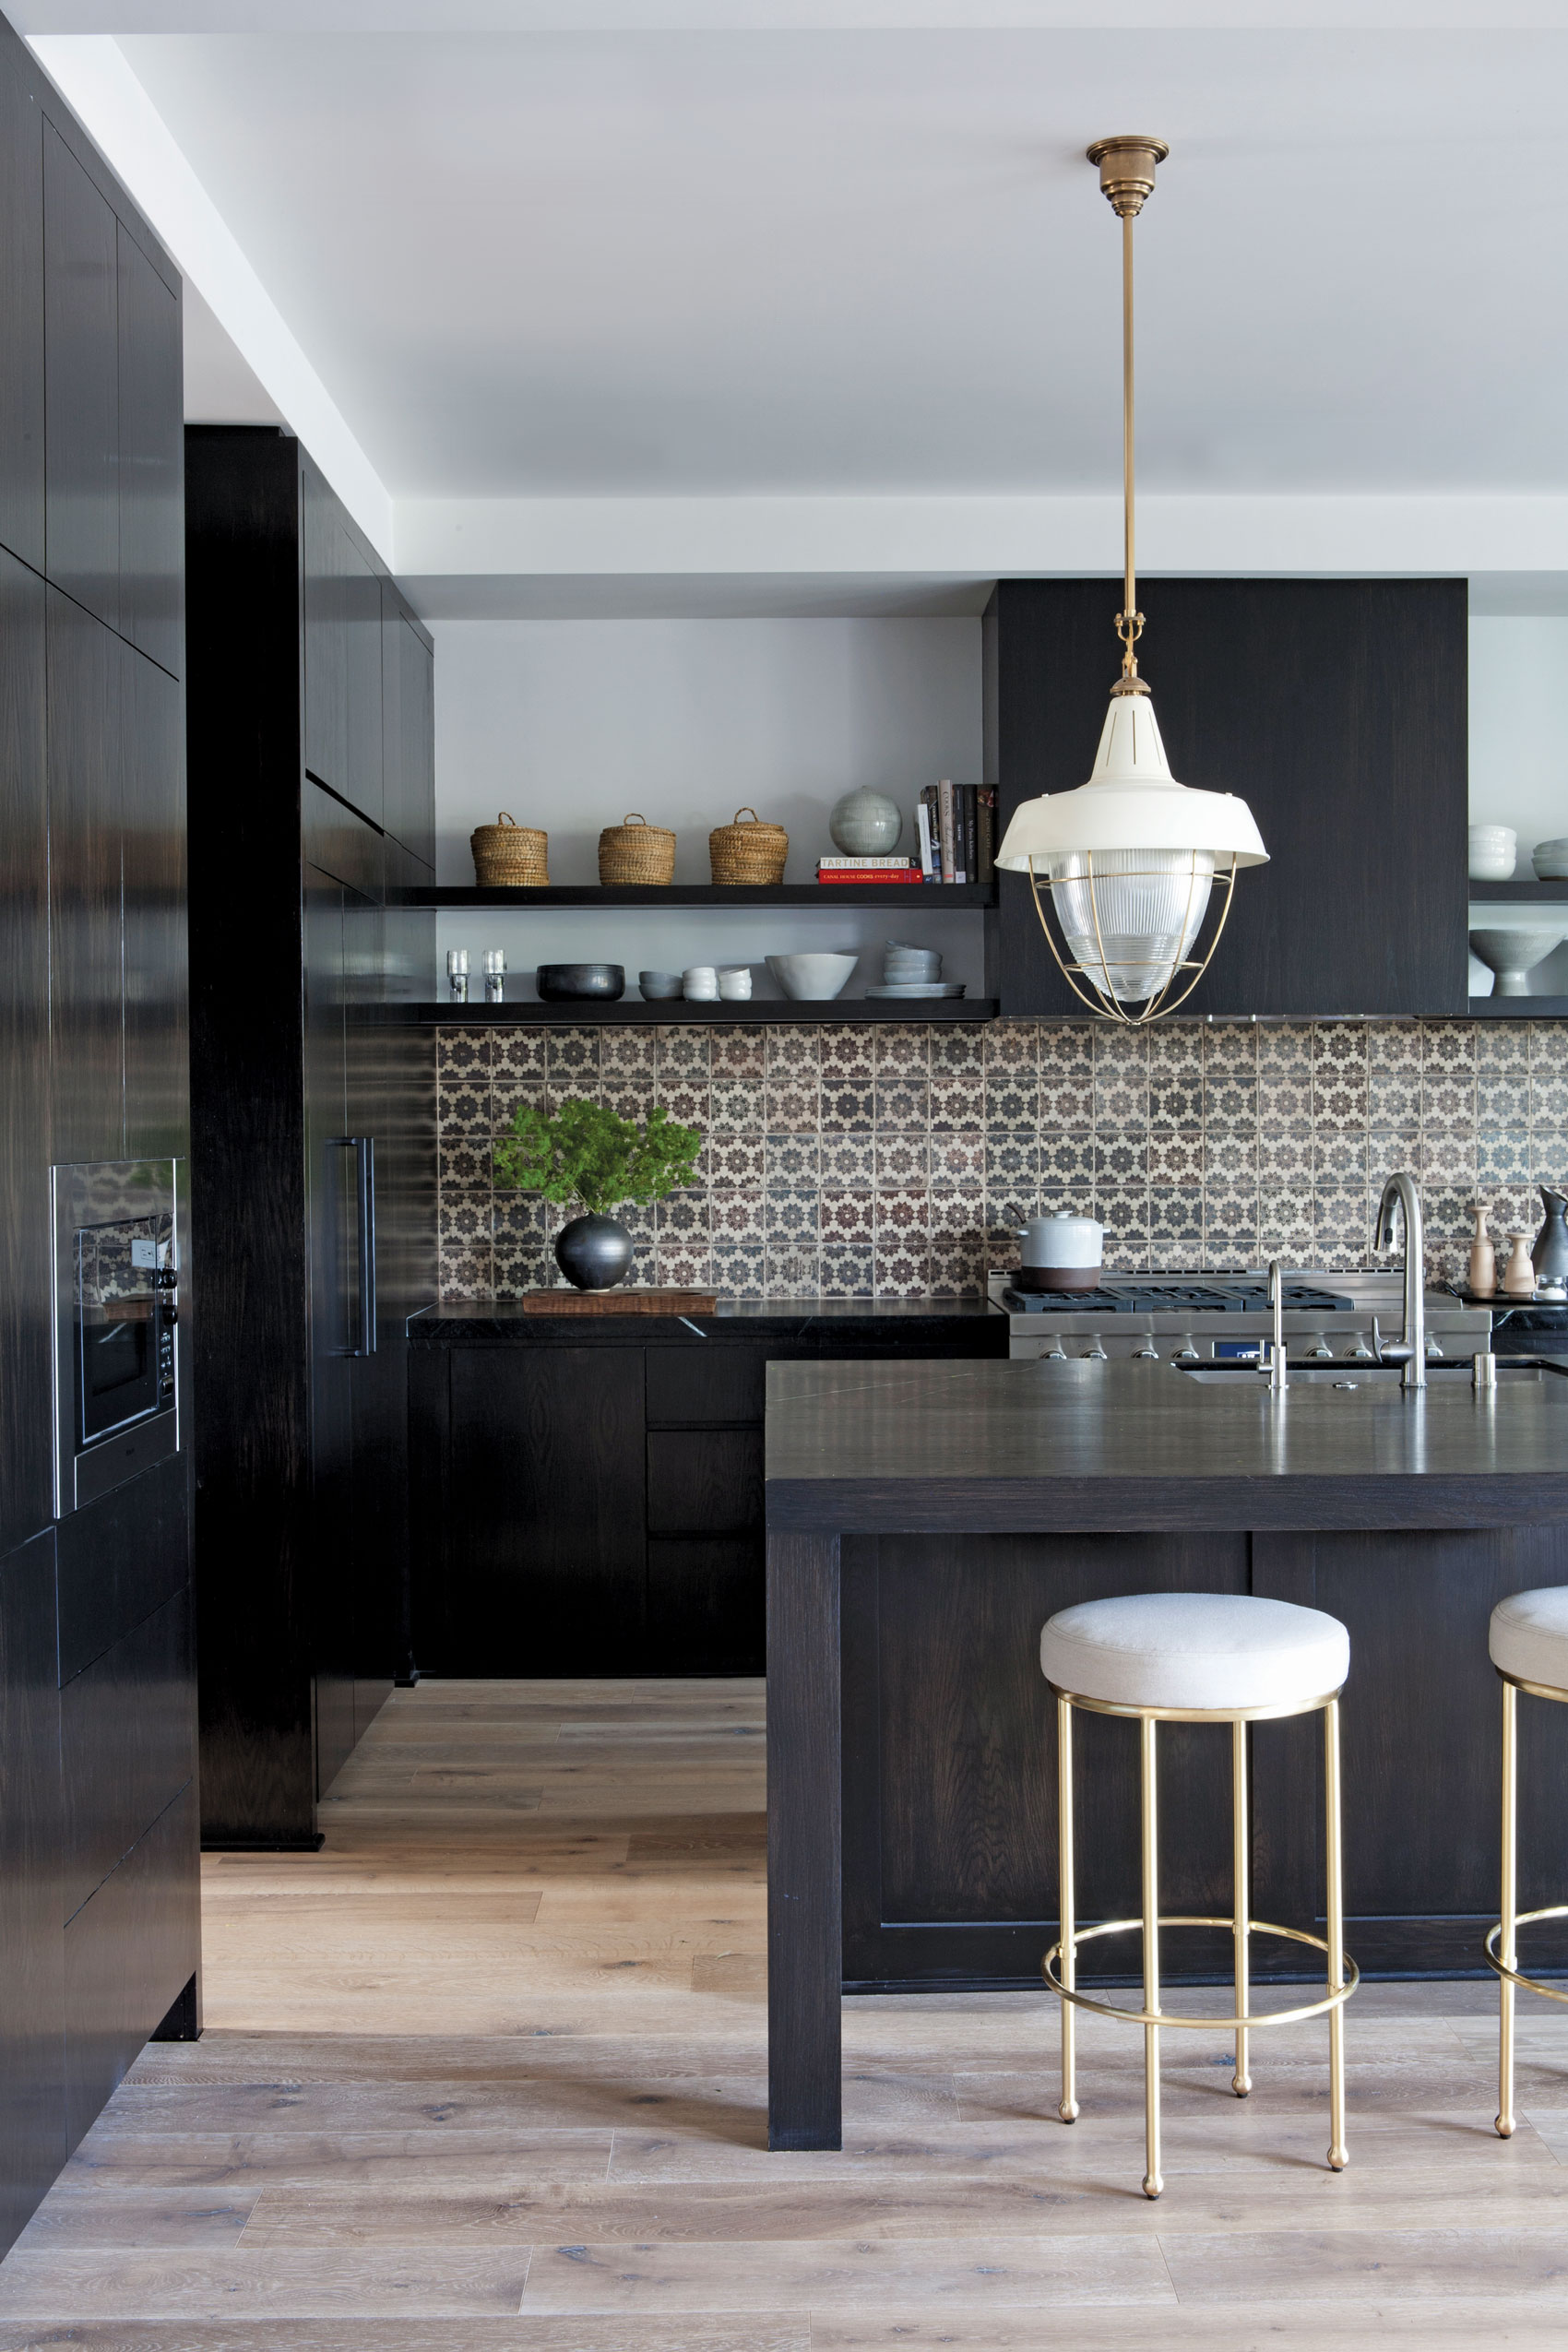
(1130, 583)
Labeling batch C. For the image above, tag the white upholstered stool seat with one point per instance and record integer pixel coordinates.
(1200, 1650)
(1529, 1636)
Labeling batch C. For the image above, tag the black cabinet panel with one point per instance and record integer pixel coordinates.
(32, 2104)
(127, 1745)
(364, 783)
(1353, 761)
(21, 303)
(120, 1559)
(342, 845)
(86, 683)
(407, 698)
(129, 1953)
(704, 1482)
(25, 1411)
(325, 635)
(81, 362)
(715, 1382)
(332, 1213)
(706, 1605)
(152, 451)
(153, 882)
(544, 1550)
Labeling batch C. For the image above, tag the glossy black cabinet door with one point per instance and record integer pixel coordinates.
(1336, 708)
(26, 1502)
(325, 635)
(332, 1210)
(364, 783)
(154, 883)
(129, 1951)
(151, 448)
(21, 303)
(88, 684)
(33, 2017)
(81, 349)
(408, 690)
(127, 1744)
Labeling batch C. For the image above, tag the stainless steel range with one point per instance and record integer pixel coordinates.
(1226, 1317)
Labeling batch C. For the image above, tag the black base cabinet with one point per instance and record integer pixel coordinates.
(591, 1502)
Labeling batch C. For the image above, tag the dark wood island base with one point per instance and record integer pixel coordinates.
(925, 1519)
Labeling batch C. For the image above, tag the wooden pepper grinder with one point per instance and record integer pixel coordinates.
(1519, 1274)
(1483, 1257)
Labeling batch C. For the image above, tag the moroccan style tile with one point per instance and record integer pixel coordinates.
(792, 1160)
(463, 1109)
(739, 1271)
(1175, 1102)
(958, 1103)
(957, 1163)
(903, 1106)
(627, 1053)
(735, 1217)
(1176, 1050)
(1447, 1160)
(462, 1052)
(1011, 1045)
(1176, 1218)
(901, 1050)
(794, 1105)
(1177, 1160)
(465, 1272)
(1503, 1046)
(1067, 1159)
(1549, 1044)
(1339, 1097)
(848, 1163)
(737, 1054)
(688, 1102)
(572, 1051)
(902, 1160)
(463, 1165)
(627, 1101)
(1282, 1209)
(1063, 1102)
(848, 1106)
(1231, 1217)
(1448, 1099)
(682, 1219)
(957, 1224)
(1502, 1097)
(508, 1096)
(737, 1106)
(1230, 1161)
(1339, 1045)
(1120, 1157)
(792, 1053)
(1285, 1096)
(1284, 1047)
(516, 1272)
(521, 1053)
(903, 1271)
(790, 1220)
(683, 1053)
(958, 1049)
(1394, 1098)
(1448, 1046)
(1286, 1157)
(683, 1268)
(1231, 1048)
(848, 1273)
(1549, 1157)
(524, 1220)
(957, 1274)
(1123, 1210)
(735, 1160)
(1394, 1045)
(463, 1218)
(1549, 1097)
(1012, 1103)
(902, 1214)
(1011, 1166)
(847, 1217)
(1502, 1158)
(1230, 1106)
(846, 1051)
(792, 1273)
(1339, 1157)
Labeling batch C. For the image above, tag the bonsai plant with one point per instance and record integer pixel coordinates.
(587, 1152)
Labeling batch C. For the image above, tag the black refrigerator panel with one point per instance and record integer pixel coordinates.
(337, 1210)
(82, 383)
(155, 927)
(152, 459)
(26, 1417)
(21, 303)
(33, 1898)
(89, 687)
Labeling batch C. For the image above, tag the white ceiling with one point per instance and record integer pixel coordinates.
(622, 265)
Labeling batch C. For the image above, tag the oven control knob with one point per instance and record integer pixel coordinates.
(1148, 1353)
(1186, 1353)
(1322, 1347)
(1360, 1352)
(1055, 1354)
(1095, 1355)
(1434, 1347)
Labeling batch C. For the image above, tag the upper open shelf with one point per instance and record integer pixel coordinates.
(1518, 893)
(930, 894)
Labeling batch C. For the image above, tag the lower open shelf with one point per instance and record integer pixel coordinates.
(764, 1010)
(1518, 1008)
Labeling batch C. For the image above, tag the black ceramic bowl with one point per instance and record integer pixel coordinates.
(581, 983)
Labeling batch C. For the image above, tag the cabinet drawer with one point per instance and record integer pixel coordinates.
(714, 1382)
(705, 1611)
(704, 1482)
(127, 1745)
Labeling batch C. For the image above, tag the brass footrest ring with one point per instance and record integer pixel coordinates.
(1515, 1977)
(1335, 1998)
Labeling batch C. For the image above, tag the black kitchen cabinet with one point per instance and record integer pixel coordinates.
(21, 303)
(1336, 708)
(33, 2022)
(151, 459)
(81, 340)
(408, 672)
(315, 1159)
(589, 1500)
(86, 755)
(25, 1348)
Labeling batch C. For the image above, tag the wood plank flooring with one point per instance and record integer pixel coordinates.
(488, 2075)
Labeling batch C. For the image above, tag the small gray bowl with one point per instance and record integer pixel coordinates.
(581, 983)
(659, 987)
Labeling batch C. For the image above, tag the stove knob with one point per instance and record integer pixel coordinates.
(1186, 1353)
(1360, 1352)
(1322, 1347)
(1055, 1354)
(1095, 1355)
(1434, 1347)
(1148, 1353)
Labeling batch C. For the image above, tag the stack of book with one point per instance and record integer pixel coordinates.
(883, 869)
(958, 830)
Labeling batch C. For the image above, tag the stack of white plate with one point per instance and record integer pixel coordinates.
(1550, 860)
(1493, 851)
(913, 971)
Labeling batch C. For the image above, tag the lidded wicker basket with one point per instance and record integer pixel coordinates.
(754, 852)
(635, 852)
(509, 855)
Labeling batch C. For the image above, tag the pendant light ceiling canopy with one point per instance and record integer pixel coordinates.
(1131, 861)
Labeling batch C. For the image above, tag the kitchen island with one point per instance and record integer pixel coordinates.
(924, 1520)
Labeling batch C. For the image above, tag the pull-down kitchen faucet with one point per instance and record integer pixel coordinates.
(1277, 1374)
(1400, 1191)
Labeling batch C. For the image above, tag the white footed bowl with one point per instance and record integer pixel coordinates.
(808, 980)
(1513, 954)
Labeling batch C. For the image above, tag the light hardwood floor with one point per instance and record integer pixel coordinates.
(490, 2071)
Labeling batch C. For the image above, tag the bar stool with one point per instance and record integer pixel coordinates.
(1528, 1642)
(1197, 1658)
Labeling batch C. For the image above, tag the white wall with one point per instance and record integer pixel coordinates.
(572, 724)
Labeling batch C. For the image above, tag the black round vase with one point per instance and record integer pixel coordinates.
(593, 1252)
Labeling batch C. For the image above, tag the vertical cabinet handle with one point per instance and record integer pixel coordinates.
(365, 1154)
(356, 1313)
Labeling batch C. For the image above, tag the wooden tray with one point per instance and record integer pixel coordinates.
(629, 1301)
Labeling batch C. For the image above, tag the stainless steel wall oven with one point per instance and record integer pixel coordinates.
(117, 1261)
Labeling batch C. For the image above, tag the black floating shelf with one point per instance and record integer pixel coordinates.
(769, 1011)
(1519, 1008)
(713, 893)
(1518, 894)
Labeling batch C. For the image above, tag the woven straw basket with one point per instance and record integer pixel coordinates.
(509, 855)
(754, 852)
(635, 851)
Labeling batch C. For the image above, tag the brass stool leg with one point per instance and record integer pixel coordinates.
(1153, 2183)
(1068, 2109)
(1338, 2155)
(1508, 1941)
(1241, 1900)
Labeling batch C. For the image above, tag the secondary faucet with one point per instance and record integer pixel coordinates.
(1400, 1192)
(1277, 1371)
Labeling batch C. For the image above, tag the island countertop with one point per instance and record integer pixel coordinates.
(995, 1446)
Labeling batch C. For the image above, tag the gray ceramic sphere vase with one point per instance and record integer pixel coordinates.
(593, 1252)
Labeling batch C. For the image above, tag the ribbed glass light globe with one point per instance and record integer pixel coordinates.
(1131, 924)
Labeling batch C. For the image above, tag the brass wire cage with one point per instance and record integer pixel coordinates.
(1160, 1000)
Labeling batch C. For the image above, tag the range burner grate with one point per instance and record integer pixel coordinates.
(1176, 1298)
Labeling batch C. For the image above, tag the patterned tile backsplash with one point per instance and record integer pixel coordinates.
(856, 1161)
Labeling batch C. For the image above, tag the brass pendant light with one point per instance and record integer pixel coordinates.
(1132, 860)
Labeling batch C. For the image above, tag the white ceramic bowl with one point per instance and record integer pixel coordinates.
(810, 979)
(1550, 860)
(1514, 954)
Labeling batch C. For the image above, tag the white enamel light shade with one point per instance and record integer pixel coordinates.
(1130, 856)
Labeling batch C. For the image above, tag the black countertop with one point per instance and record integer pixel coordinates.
(1000, 1446)
(902, 1323)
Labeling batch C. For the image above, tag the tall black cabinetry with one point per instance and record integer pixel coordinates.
(1336, 708)
(99, 1921)
(312, 810)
